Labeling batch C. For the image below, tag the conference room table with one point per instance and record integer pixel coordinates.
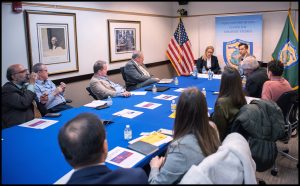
(33, 156)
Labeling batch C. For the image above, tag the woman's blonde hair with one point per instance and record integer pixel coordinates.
(204, 57)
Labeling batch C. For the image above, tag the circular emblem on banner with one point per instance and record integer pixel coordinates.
(288, 54)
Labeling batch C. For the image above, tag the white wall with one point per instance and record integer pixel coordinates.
(92, 37)
(92, 33)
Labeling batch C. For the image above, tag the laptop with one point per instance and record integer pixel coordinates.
(159, 88)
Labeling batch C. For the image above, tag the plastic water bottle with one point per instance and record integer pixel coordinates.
(154, 89)
(173, 106)
(210, 74)
(109, 101)
(203, 70)
(195, 72)
(127, 132)
(244, 81)
(203, 91)
(176, 82)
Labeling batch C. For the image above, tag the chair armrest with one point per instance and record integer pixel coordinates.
(68, 101)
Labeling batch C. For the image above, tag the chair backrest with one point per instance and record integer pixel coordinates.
(91, 93)
(288, 103)
(123, 74)
(128, 85)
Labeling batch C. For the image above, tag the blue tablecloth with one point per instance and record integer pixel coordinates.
(31, 156)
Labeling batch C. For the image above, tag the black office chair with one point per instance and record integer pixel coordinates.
(129, 86)
(91, 93)
(288, 102)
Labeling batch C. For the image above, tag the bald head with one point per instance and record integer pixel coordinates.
(82, 139)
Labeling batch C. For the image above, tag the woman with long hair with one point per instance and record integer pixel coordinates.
(208, 61)
(231, 98)
(194, 139)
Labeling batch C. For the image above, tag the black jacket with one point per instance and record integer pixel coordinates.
(262, 123)
(100, 174)
(17, 107)
(255, 82)
(214, 65)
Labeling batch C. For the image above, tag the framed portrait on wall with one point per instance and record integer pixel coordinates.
(124, 38)
(52, 40)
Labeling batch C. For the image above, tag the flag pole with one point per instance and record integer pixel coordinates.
(179, 37)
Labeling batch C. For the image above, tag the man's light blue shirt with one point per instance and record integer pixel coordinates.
(49, 87)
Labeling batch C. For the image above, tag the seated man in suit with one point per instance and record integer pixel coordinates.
(44, 86)
(83, 143)
(136, 72)
(19, 97)
(255, 76)
(101, 86)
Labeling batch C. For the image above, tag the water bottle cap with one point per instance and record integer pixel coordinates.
(127, 126)
(173, 101)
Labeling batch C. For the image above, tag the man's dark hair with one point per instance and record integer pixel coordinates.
(10, 71)
(276, 67)
(37, 67)
(98, 65)
(241, 44)
(81, 140)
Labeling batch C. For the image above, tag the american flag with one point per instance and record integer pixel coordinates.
(179, 51)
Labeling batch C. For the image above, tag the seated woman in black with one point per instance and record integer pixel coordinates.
(209, 61)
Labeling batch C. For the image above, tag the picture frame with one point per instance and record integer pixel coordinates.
(124, 37)
(52, 40)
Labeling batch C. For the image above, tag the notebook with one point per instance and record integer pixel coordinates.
(143, 147)
(165, 81)
(159, 88)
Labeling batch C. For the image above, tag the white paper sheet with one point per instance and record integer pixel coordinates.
(127, 113)
(179, 90)
(123, 157)
(38, 123)
(139, 93)
(216, 76)
(95, 103)
(165, 97)
(166, 131)
(65, 178)
(148, 105)
(166, 81)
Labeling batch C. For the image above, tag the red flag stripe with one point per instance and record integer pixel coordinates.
(185, 60)
(175, 62)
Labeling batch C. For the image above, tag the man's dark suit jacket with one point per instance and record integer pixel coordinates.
(255, 82)
(134, 75)
(101, 174)
(17, 107)
(214, 65)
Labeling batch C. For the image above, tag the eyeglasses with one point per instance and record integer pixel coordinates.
(44, 70)
(22, 71)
